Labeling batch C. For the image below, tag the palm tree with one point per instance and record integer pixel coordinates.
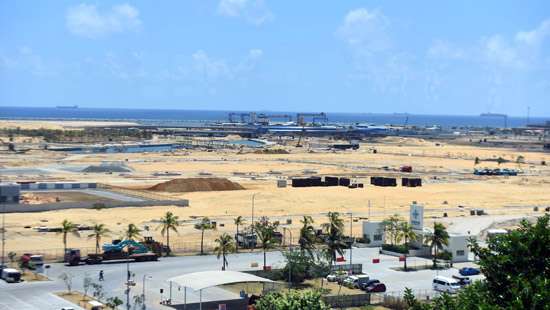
(133, 232)
(225, 245)
(437, 240)
(407, 233)
(66, 228)
(265, 231)
(99, 231)
(168, 222)
(204, 224)
(335, 236)
(239, 220)
(307, 236)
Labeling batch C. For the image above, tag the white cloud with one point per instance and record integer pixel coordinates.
(25, 59)
(87, 21)
(522, 51)
(366, 30)
(211, 69)
(255, 12)
(375, 58)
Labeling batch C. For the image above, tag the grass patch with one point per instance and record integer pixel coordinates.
(77, 298)
(28, 276)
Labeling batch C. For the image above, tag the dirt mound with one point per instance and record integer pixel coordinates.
(272, 151)
(106, 168)
(197, 185)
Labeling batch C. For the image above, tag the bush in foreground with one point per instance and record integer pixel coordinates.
(293, 300)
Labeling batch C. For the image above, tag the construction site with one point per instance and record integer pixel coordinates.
(280, 176)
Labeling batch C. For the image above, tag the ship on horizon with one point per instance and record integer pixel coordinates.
(67, 107)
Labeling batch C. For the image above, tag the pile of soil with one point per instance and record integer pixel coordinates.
(272, 151)
(196, 185)
(106, 168)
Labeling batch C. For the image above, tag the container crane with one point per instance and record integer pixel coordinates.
(264, 119)
(300, 117)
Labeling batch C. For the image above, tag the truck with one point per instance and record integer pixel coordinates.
(118, 250)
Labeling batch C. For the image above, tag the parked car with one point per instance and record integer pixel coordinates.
(338, 276)
(11, 275)
(469, 271)
(444, 284)
(361, 278)
(462, 280)
(368, 283)
(348, 281)
(376, 288)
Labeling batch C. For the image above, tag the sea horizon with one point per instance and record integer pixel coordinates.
(147, 116)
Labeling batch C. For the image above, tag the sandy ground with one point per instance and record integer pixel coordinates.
(446, 170)
(35, 124)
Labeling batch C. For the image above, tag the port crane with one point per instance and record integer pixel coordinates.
(300, 117)
(251, 116)
(264, 119)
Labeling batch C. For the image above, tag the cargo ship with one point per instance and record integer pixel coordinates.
(67, 107)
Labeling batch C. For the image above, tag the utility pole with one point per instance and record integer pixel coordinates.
(351, 242)
(143, 292)
(289, 265)
(127, 284)
(252, 221)
(3, 234)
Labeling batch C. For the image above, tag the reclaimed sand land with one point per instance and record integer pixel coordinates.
(448, 186)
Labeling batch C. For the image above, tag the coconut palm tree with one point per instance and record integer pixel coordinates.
(133, 232)
(307, 236)
(407, 234)
(99, 231)
(68, 227)
(204, 224)
(437, 240)
(167, 223)
(239, 221)
(265, 231)
(334, 239)
(225, 244)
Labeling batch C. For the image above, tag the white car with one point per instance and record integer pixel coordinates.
(444, 284)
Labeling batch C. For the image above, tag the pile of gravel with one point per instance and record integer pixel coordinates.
(103, 168)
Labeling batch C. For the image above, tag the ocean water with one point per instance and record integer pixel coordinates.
(152, 116)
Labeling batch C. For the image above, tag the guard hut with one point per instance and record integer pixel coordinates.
(199, 281)
(9, 192)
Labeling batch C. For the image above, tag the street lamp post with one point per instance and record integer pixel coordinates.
(289, 265)
(351, 242)
(3, 234)
(128, 275)
(253, 197)
(143, 288)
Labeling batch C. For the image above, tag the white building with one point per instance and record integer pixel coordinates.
(458, 246)
(374, 232)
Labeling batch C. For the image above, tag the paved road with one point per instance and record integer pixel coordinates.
(39, 295)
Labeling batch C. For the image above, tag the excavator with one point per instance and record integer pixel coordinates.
(115, 251)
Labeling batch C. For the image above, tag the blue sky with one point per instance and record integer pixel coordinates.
(427, 57)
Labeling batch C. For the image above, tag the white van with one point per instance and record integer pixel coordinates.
(444, 284)
(11, 275)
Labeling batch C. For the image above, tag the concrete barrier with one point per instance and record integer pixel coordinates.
(23, 208)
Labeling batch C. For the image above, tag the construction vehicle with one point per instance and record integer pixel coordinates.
(246, 240)
(117, 251)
